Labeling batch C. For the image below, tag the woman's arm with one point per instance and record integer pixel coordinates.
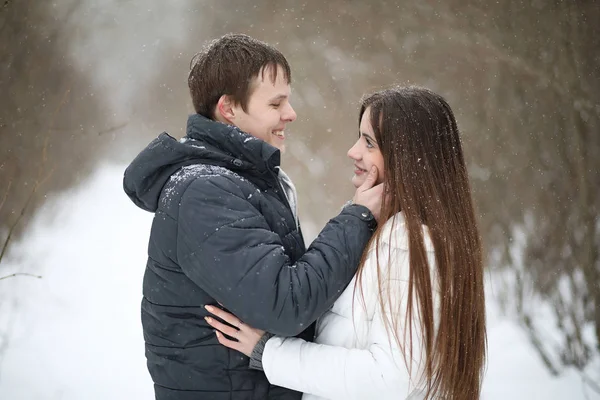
(334, 372)
(377, 372)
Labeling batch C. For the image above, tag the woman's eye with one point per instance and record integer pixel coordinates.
(369, 144)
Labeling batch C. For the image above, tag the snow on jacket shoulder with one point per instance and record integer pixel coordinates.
(354, 356)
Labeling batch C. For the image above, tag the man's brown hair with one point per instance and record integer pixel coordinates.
(228, 66)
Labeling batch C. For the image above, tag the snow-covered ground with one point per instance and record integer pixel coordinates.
(76, 333)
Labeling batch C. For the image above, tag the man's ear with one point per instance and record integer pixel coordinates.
(224, 110)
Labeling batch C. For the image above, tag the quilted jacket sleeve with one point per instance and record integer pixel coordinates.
(377, 371)
(238, 260)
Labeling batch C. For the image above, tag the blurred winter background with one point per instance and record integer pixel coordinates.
(86, 84)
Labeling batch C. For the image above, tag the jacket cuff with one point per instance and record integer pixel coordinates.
(257, 352)
(362, 213)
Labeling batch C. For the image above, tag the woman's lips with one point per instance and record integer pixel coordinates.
(359, 171)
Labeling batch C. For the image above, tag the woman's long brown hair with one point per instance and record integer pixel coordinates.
(426, 178)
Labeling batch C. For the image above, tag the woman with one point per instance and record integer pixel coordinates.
(412, 322)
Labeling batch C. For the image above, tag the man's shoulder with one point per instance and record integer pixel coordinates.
(204, 173)
(202, 180)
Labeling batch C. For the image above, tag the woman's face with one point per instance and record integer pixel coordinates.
(366, 152)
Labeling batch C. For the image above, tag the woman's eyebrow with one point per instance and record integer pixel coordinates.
(367, 136)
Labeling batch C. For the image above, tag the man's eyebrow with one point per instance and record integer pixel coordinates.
(279, 97)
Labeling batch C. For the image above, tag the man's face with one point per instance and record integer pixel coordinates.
(268, 110)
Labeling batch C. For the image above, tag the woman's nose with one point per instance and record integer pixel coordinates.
(353, 152)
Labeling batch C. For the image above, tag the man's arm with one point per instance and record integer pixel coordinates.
(227, 248)
(377, 371)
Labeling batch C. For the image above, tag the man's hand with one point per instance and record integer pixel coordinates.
(370, 195)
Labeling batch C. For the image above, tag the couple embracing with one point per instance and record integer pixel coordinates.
(386, 303)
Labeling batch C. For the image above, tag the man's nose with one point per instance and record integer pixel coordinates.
(290, 114)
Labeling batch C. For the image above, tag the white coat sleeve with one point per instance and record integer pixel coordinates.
(375, 372)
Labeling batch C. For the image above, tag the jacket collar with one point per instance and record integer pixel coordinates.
(234, 142)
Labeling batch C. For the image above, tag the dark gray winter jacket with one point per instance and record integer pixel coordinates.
(224, 232)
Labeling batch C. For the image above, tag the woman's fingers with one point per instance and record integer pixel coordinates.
(224, 315)
(226, 342)
(245, 337)
(226, 329)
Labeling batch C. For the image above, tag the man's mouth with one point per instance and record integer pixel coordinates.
(279, 134)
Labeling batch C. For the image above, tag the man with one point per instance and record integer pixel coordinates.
(226, 230)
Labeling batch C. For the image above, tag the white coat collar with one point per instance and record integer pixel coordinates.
(395, 234)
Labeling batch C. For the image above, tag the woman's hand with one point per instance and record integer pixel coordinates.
(246, 336)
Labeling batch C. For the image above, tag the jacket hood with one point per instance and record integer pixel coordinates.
(206, 142)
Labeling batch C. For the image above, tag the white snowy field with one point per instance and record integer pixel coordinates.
(76, 333)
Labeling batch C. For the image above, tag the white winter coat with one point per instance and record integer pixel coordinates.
(353, 356)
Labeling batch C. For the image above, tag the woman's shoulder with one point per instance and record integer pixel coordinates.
(394, 234)
(388, 257)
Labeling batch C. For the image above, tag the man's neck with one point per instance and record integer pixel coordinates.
(219, 118)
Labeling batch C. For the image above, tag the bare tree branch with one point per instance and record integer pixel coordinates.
(20, 274)
(38, 181)
(113, 129)
(6, 194)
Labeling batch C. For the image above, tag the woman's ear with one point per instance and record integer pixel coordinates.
(225, 111)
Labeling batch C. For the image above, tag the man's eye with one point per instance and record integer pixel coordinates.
(275, 105)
